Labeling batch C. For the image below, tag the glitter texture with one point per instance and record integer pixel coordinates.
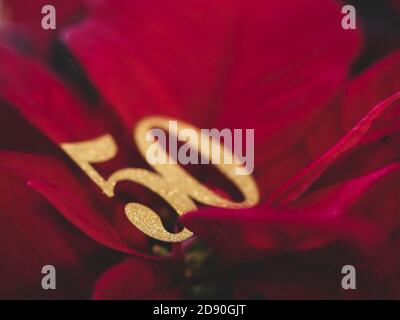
(171, 182)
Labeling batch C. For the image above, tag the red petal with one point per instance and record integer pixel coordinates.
(298, 185)
(289, 62)
(57, 183)
(161, 54)
(44, 101)
(28, 138)
(371, 198)
(316, 275)
(238, 235)
(136, 279)
(380, 145)
(368, 89)
(32, 235)
(180, 58)
(338, 117)
(29, 14)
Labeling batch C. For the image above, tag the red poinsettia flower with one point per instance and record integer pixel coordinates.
(326, 149)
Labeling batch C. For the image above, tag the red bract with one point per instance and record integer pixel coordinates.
(326, 147)
(28, 16)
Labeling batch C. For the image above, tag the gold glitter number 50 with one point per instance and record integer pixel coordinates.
(171, 182)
